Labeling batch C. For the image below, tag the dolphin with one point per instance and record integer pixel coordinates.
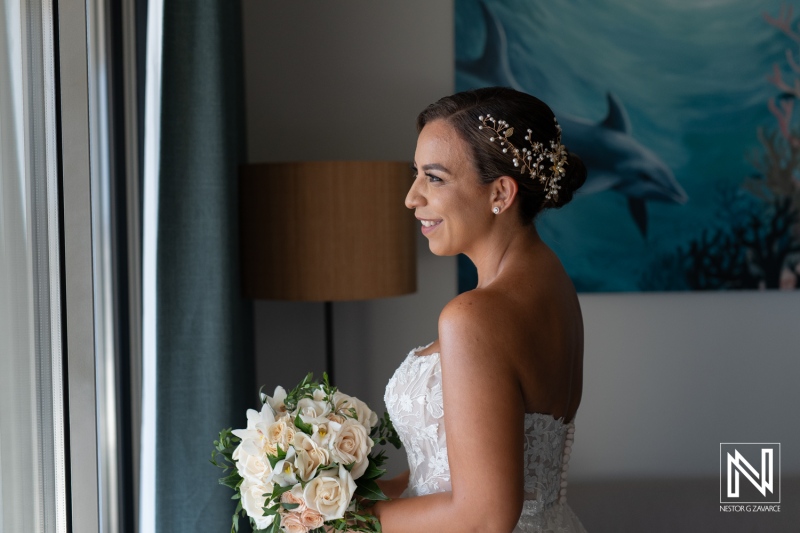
(613, 158)
(616, 161)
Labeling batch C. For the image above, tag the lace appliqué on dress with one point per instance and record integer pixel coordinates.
(415, 396)
(414, 401)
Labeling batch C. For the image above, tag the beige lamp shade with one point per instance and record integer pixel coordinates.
(327, 230)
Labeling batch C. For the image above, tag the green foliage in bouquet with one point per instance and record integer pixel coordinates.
(367, 490)
(222, 457)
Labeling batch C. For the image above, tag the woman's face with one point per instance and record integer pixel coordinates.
(447, 196)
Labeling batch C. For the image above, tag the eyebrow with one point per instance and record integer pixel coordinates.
(435, 166)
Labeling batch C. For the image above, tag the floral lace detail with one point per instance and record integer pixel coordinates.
(544, 445)
(414, 401)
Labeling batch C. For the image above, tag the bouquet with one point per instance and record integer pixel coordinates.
(305, 462)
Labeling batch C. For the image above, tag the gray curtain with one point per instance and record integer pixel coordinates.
(204, 366)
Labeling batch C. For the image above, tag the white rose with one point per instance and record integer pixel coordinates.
(253, 501)
(313, 410)
(352, 445)
(365, 415)
(330, 495)
(254, 468)
(309, 456)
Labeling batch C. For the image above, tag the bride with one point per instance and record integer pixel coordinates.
(504, 377)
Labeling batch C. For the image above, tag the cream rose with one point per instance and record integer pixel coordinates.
(280, 433)
(352, 445)
(365, 415)
(253, 501)
(330, 495)
(309, 456)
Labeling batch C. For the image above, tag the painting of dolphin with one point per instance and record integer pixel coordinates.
(614, 159)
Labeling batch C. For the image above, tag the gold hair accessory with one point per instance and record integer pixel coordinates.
(532, 159)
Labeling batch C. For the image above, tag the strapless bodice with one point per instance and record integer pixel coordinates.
(414, 402)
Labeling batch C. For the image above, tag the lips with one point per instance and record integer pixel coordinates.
(429, 225)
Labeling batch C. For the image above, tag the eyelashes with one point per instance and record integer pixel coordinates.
(431, 177)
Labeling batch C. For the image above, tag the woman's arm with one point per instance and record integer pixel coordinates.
(484, 417)
(394, 487)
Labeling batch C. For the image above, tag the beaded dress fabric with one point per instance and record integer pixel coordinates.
(414, 401)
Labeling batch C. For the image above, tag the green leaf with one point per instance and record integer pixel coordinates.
(384, 432)
(276, 525)
(271, 510)
(372, 471)
(378, 459)
(369, 490)
(290, 506)
(277, 491)
(273, 459)
(232, 480)
(333, 465)
(302, 426)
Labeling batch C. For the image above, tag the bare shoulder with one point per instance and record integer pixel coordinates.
(477, 323)
(478, 308)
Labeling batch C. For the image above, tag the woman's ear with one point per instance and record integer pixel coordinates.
(504, 192)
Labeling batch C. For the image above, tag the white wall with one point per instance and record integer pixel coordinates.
(345, 80)
(667, 376)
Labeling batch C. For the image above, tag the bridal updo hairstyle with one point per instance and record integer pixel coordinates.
(522, 112)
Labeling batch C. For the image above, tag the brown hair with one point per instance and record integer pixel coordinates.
(522, 111)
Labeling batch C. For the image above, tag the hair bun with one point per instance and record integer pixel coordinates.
(573, 178)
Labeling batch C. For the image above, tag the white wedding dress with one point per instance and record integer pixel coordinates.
(414, 401)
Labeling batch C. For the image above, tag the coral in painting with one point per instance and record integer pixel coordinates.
(756, 244)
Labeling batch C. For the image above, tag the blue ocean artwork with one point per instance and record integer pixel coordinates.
(684, 114)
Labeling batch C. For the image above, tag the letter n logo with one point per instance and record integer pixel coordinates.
(756, 463)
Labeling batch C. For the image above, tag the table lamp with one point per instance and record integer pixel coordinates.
(325, 231)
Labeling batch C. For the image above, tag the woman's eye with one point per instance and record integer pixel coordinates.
(433, 178)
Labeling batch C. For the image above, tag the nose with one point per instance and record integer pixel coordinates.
(414, 198)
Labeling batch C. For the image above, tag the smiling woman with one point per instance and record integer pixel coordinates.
(505, 375)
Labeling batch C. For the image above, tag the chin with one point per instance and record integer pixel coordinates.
(441, 251)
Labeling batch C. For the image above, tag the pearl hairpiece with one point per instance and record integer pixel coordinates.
(532, 159)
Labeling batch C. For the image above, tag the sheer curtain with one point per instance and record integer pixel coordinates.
(32, 461)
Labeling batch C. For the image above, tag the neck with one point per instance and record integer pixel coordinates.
(493, 255)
